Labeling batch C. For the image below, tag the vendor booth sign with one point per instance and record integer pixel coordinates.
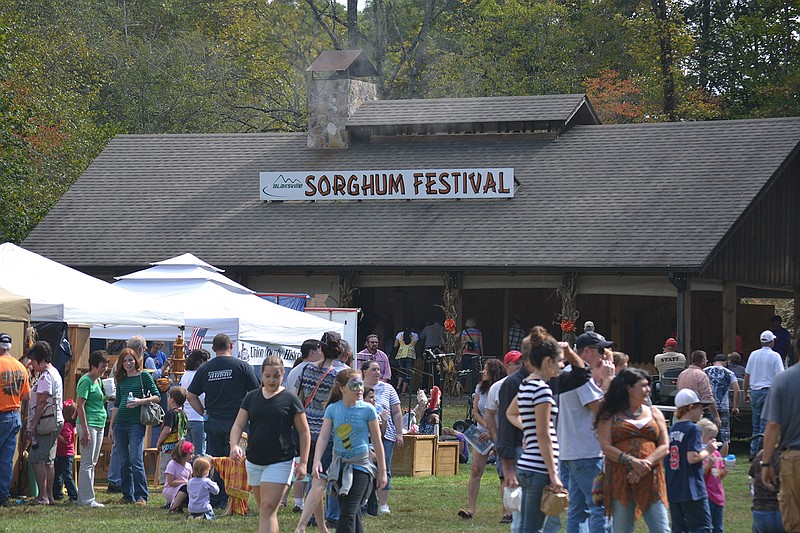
(254, 354)
(388, 184)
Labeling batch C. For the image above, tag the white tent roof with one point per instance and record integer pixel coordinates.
(61, 294)
(210, 300)
(186, 267)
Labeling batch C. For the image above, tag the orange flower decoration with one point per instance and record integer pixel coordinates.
(450, 325)
(567, 326)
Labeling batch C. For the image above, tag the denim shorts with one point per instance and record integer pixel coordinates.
(280, 473)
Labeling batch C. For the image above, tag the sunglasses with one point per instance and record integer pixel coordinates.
(355, 385)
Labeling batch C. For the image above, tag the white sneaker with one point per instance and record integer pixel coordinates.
(96, 505)
(384, 509)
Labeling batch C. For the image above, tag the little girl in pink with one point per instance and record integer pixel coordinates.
(177, 475)
(714, 472)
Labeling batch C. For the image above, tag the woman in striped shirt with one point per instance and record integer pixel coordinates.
(533, 411)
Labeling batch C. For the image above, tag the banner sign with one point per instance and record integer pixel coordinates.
(388, 184)
(255, 354)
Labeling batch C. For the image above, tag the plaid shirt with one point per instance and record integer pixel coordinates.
(515, 336)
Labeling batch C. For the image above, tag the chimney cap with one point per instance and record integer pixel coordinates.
(352, 63)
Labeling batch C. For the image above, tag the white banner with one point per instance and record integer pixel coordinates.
(254, 354)
(388, 184)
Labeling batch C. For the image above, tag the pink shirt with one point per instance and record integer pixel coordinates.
(180, 473)
(716, 494)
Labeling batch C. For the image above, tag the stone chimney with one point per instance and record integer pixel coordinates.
(334, 95)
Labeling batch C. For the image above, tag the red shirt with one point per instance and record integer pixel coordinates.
(68, 434)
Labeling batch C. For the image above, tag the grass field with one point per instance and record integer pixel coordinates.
(418, 504)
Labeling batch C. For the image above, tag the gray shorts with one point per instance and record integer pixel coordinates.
(45, 450)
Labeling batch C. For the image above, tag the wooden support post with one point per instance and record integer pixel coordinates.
(506, 319)
(729, 304)
(616, 322)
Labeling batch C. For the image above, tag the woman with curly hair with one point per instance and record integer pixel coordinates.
(634, 439)
(493, 371)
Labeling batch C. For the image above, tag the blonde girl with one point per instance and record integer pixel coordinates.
(200, 488)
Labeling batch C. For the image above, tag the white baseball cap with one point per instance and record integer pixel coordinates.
(688, 397)
(767, 336)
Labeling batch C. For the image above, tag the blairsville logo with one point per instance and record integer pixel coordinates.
(283, 182)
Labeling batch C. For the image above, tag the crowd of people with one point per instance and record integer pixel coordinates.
(558, 417)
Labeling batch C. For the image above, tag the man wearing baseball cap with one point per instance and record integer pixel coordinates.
(762, 367)
(670, 358)
(14, 388)
(512, 361)
(580, 391)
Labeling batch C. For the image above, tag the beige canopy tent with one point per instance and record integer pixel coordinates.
(15, 315)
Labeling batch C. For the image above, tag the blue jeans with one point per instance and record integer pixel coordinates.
(582, 509)
(690, 517)
(10, 424)
(63, 476)
(717, 511)
(757, 399)
(552, 524)
(767, 522)
(218, 445)
(656, 517)
(532, 484)
(131, 447)
(388, 453)
(115, 466)
(196, 434)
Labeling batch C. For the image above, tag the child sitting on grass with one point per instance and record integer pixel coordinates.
(200, 488)
(714, 472)
(177, 475)
(686, 491)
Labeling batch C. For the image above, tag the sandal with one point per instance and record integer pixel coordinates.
(463, 513)
(507, 519)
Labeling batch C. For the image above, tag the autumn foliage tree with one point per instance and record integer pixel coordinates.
(616, 100)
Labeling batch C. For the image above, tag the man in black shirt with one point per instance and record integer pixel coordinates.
(225, 382)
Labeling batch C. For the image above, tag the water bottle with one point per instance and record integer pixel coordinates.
(130, 397)
(730, 462)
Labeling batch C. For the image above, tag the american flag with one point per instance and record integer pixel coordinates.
(198, 334)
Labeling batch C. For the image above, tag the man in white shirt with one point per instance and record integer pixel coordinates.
(670, 358)
(762, 367)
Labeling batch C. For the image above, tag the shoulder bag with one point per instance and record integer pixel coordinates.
(307, 401)
(152, 414)
(48, 421)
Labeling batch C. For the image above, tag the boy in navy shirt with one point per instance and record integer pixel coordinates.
(686, 490)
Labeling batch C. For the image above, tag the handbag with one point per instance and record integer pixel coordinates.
(554, 501)
(48, 423)
(151, 414)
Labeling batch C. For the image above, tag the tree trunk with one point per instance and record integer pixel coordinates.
(665, 56)
(352, 24)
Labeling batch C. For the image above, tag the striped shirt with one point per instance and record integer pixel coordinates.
(532, 393)
(386, 397)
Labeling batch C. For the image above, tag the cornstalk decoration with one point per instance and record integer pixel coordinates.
(449, 299)
(347, 286)
(569, 312)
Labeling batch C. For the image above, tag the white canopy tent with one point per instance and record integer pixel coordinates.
(211, 300)
(61, 294)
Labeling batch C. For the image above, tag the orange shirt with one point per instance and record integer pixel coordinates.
(13, 383)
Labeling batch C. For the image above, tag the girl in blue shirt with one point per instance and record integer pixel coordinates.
(353, 423)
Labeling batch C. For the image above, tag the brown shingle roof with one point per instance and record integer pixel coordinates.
(622, 197)
(558, 108)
